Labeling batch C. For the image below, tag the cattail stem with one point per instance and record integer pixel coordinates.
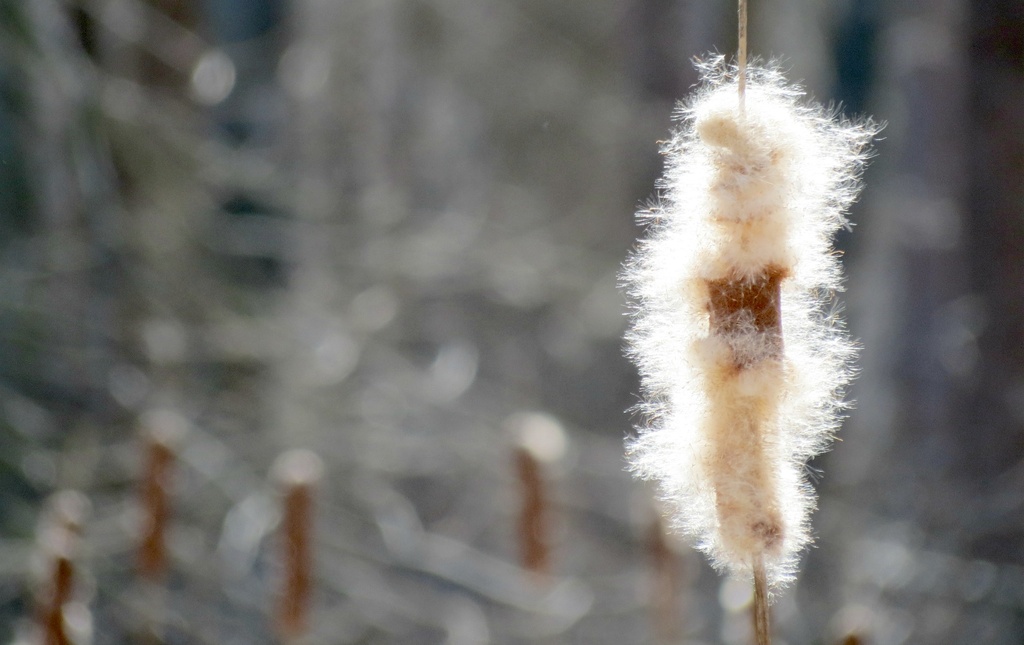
(762, 617)
(533, 541)
(741, 54)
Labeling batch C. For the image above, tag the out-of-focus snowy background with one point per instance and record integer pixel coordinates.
(389, 231)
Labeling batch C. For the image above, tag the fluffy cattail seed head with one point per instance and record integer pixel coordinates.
(741, 364)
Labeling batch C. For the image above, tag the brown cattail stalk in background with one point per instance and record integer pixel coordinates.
(61, 585)
(297, 472)
(533, 530)
(152, 557)
(59, 533)
(541, 443)
(161, 431)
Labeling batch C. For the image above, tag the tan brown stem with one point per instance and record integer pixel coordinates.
(533, 542)
(762, 617)
(741, 54)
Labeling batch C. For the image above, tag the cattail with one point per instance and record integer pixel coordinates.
(541, 442)
(59, 534)
(297, 471)
(161, 431)
(533, 532)
(742, 358)
(61, 585)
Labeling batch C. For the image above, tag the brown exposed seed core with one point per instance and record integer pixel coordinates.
(738, 307)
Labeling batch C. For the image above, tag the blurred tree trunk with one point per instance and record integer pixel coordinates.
(992, 420)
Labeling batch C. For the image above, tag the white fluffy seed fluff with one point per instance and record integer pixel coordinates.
(742, 359)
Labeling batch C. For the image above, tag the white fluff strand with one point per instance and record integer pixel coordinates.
(741, 357)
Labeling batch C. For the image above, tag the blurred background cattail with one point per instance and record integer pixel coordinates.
(162, 432)
(533, 538)
(297, 472)
(378, 229)
(62, 618)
